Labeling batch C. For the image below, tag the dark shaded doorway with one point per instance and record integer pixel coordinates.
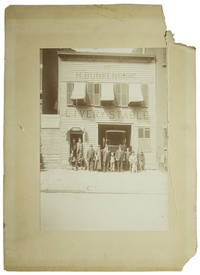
(115, 134)
(75, 135)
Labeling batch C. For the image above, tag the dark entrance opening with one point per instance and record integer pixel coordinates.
(75, 134)
(114, 135)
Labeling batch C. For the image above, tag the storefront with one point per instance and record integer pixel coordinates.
(104, 97)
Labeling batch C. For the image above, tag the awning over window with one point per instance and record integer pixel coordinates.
(79, 91)
(135, 93)
(107, 93)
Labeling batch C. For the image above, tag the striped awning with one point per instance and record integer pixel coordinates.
(79, 91)
(107, 93)
(135, 93)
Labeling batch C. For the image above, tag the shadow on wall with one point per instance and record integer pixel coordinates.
(49, 76)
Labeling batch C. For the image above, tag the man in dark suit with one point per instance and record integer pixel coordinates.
(127, 155)
(73, 154)
(73, 145)
(142, 161)
(106, 158)
(79, 147)
(90, 158)
(79, 153)
(119, 155)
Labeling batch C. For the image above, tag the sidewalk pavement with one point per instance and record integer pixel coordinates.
(68, 181)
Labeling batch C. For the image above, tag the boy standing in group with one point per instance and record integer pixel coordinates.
(112, 162)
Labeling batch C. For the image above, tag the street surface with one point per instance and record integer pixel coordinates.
(62, 180)
(84, 200)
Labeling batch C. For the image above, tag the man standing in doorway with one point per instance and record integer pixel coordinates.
(73, 155)
(79, 153)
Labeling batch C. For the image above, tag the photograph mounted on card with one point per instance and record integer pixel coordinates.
(100, 146)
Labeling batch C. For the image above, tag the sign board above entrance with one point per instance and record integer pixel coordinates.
(99, 114)
(106, 72)
(105, 76)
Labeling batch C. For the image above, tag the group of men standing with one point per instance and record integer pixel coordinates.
(123, 159)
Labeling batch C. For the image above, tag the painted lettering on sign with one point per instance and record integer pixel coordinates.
(105, 76)
(102, 114)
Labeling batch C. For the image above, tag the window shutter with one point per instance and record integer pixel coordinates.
(117, 94)
(145, 95)
(147, 133)
(140, 133)
(70, 86)
(124, 94)
(89, 93)
(144, 141)
(97, 94)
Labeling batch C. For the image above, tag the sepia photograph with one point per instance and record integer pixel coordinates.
(103, 139)
(99, 139)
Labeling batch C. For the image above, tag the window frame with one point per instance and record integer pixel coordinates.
(144, 131)
(119, 89)
(91, 98)
(93, 93)
(99, 94)
(147, 130)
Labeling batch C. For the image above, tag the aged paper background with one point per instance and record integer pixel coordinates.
(29, 28)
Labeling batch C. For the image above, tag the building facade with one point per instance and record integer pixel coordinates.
(99, 93)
